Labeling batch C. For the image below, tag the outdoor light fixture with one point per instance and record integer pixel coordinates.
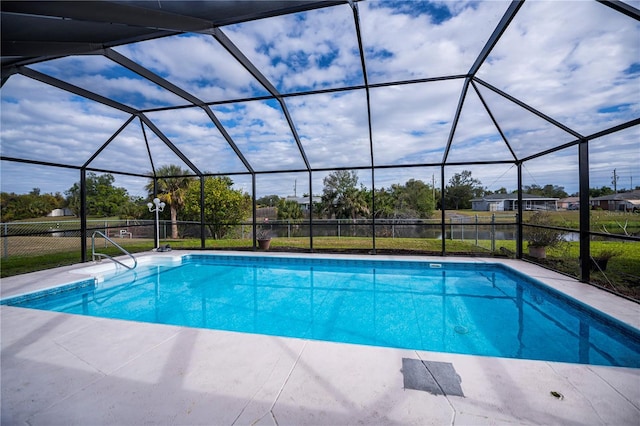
(159, 207)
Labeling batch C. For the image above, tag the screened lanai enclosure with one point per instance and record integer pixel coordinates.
(351, 126)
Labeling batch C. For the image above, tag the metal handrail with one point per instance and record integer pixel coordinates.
(94, 253)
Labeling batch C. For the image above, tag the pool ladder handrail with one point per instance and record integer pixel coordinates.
(95, 254)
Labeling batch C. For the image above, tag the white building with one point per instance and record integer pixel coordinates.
(509, 202)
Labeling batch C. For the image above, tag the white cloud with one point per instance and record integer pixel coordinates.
(602, 162)
(559, 168)
(333, 128)
(310, 50)
(261, 132)
(402, 46)
(196, 63)
(46, 124)
(22, 178)
(193, 133)
(411, 123)
(569, 60)
(71, 66)
(104, 77)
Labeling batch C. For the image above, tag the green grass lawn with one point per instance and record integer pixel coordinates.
(622, 274)
(600, 220)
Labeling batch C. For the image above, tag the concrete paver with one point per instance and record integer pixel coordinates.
(348, 384)
(66, 369)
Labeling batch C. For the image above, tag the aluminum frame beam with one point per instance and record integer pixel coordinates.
(68, 87)
(39, 162)
(356, 20)
(28, 72)
(47, 49)
(225, 42)
(167, 85)
(508, 16)
(622, 7)
(456, 118)
(111, 138)
(170, 144)
(602, 133)
(76, 27)
(585, 210)
(529, 108)
(150, 75)
(495, 122)
(109, 12)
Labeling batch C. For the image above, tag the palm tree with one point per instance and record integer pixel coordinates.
(171, 190)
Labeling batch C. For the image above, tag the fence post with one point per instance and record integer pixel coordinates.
(451, 228)
(338, 228)
(288, 228)
(476, 230)
(106, 232)
(493, 232)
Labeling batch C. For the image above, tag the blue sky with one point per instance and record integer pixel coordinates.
(576, 61)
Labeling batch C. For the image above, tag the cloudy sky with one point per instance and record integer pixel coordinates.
(577, 62)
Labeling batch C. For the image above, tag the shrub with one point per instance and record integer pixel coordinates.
(543, 237)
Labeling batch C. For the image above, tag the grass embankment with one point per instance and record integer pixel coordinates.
(600, 220)
(38, 253)
(622, 273)
(623, 270)
(65, 250)
(16, 265)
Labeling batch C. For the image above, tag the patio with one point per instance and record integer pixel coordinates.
(68, 369)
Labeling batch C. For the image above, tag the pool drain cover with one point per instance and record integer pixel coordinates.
(437, 378)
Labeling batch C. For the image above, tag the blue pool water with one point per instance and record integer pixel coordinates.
(467, 308)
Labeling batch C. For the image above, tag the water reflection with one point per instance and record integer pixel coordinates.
(474, 309)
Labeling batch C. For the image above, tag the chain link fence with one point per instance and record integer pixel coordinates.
(34, 238)
(37, 238)
(28, 242)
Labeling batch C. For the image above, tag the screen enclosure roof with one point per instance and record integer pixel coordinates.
(230, 87)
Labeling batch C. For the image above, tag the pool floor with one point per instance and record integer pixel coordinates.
(465, 308)
(82, 370)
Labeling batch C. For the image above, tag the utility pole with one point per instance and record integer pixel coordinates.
(615, 181)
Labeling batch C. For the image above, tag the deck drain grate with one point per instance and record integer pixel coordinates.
(437, 378)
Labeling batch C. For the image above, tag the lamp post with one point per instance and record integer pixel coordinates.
(159, 206)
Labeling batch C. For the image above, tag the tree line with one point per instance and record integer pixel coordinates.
(343, 197)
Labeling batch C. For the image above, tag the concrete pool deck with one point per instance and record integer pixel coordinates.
(68, 369)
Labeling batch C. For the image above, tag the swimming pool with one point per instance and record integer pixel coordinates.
(468, 308)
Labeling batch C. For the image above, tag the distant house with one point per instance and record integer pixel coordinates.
(569, 203)
(622, 201)
(304, 202)
(509, 202)
(60, 212)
